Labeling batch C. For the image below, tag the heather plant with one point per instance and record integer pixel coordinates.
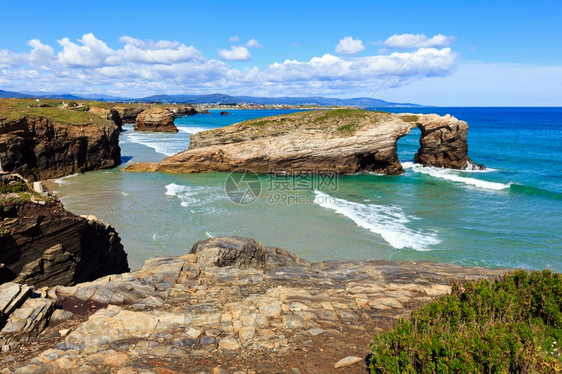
(511, 325)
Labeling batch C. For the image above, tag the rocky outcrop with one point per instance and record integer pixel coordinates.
(180, 111)
(110, 114)
(22, 316)
(43, 244)
(233, 305)
(338, 141)
(225, 113)
(129, 113)
(156, 119)
(42, 148)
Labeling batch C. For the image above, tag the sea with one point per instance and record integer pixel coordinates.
(509, 215)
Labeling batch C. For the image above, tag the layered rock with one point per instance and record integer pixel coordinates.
(43, 244)
(233, 305)
(338, 141)
(183, 110)
(110, 114)
(42, 148)
(129, 113)
(156, 119)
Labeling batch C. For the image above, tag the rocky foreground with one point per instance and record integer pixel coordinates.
(342, 141)
(229, 306)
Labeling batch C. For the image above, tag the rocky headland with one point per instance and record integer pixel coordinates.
(342, 141)
(42, 142)
(229, 306)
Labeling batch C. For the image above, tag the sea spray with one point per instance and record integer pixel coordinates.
(454, 176)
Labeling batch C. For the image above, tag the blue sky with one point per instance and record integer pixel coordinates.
(447, 53)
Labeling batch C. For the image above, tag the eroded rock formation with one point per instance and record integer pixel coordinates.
(43, 244)
(129, 113)
(156, 119)
(110, 114)
(40, 148)
(340, 141)
(233, 303)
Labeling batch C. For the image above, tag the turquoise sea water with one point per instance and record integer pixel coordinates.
(508, 216)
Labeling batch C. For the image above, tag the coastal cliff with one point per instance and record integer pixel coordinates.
(50, 142)
(42, 244)
(342, 141)
(230, 305)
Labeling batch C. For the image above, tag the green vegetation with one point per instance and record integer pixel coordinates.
(513, 325)
(13, 187)
(13, 109)
(348, 129)
(260, 123)
(410, 118)
(341, 114)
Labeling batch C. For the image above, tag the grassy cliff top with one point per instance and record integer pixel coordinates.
(13, 109)
(343, 122)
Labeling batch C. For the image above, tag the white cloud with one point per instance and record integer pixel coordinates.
(349, 46)
(235, 54)
(407, 41)
(253, 43)
(234, 39)
(145, 67)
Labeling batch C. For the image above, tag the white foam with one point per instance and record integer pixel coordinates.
(163, 144)
(454, 176)
(387, 221)
(63, 180)
(191, 196)
(192, 129)
(209, 234)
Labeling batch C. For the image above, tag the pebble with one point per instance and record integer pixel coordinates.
(347, 361)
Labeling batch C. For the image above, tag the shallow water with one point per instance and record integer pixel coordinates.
(510, 215)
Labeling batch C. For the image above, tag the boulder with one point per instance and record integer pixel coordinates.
(156, 119)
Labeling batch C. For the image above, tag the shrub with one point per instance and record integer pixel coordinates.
(512, 325)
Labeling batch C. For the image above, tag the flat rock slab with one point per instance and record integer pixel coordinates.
(263, 310)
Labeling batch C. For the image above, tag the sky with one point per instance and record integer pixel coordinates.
(442, 53)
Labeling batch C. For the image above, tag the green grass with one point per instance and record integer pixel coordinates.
(513, 325)
(410, 118)
(13, 109)
(14, 187)
(348, 129)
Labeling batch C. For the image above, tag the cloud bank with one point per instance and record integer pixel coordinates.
(143, 67)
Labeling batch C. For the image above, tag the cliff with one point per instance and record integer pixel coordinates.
(231, 305)
(42, 244)
(342, 141)
(51, 141)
